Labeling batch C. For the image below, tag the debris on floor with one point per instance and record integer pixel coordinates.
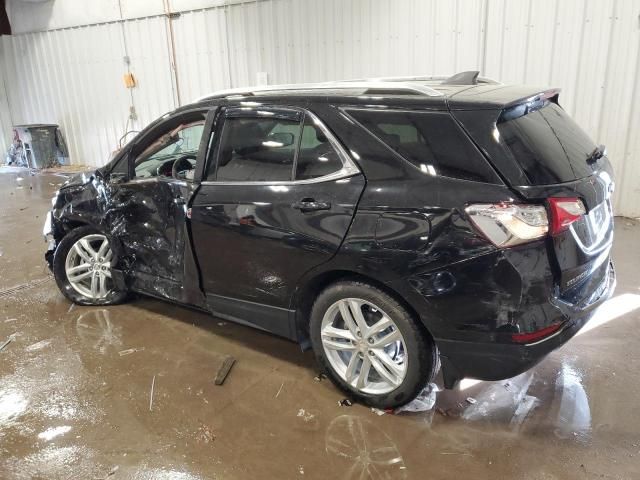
(377, 411)
(153, 386)
(7, 342)
(205, 435)
(320, 377)
(423, 402)
(471, 400)
(38, 346)
(110, 474)
(345, 402)
(129, 351)
(306, 416)
(279, 390)
(224, 370)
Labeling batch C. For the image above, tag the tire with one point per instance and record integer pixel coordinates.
(81, 293)
(412, 350)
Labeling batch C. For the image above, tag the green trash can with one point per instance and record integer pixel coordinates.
(44, 145)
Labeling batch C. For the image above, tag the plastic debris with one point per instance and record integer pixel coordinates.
(471, 400)
(425, 400)
(224, 370)
(345, 402)
(319, 377)
(377, 411)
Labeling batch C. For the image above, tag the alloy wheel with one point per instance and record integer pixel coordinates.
(88, 266)
(364, 346)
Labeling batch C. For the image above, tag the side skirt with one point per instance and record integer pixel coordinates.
(279, 321)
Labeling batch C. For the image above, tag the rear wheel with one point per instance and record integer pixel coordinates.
(370, 345)
(82, 268)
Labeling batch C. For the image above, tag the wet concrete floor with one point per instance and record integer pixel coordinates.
(75, 391)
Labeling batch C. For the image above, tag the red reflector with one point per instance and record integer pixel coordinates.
(537, 335)
(564, 211)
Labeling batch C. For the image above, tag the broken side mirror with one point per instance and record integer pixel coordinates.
(117, 177)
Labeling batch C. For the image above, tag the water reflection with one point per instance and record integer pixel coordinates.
(574, 415)
(370, 451)
(12, 405)
(94, 327)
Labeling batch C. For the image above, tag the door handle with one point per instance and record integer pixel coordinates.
(310, 205)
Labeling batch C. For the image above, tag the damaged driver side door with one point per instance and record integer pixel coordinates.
(149, 208)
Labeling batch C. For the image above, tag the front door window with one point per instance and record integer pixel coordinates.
(173, 154)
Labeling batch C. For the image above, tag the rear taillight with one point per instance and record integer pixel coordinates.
(506, 224)
(564, 211)
(531, 337)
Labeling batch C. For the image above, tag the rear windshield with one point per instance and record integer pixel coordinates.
(548, 145)
(431, 141)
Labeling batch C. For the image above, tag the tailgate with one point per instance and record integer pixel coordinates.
(581, 252)
(543, 154)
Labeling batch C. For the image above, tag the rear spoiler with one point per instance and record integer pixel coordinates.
(523, 106)
(498, 97)
(550, 95)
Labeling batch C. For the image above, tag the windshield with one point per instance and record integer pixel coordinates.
(548, 145)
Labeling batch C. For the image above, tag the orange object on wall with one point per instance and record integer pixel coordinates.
(129, 80)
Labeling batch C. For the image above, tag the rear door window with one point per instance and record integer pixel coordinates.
(317, 157)
(547, 144)
(257, 150)
(431, 141)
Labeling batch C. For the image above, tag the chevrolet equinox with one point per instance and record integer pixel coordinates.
(393, 225)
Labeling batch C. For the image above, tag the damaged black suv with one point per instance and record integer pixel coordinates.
(391, 225)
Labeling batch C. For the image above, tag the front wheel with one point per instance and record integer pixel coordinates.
(370, 345)
(82, 268)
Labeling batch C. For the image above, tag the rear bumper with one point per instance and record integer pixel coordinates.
(497, 361)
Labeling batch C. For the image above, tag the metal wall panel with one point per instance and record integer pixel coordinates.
(589, 48)
(5, 113)
(73, 77)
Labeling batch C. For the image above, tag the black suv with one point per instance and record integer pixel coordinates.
(391, 225)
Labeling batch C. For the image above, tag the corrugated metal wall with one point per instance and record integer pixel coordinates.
(590, 48)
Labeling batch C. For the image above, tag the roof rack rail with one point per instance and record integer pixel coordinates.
(366, 86)
(428, 78)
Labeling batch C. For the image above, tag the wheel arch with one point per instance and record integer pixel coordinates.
(305, 296)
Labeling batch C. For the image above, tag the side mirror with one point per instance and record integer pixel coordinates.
(277, 140)
(117, 177)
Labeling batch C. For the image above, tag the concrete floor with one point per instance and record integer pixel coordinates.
(75, 391)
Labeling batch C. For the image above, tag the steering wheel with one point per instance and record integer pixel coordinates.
(182, 164)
